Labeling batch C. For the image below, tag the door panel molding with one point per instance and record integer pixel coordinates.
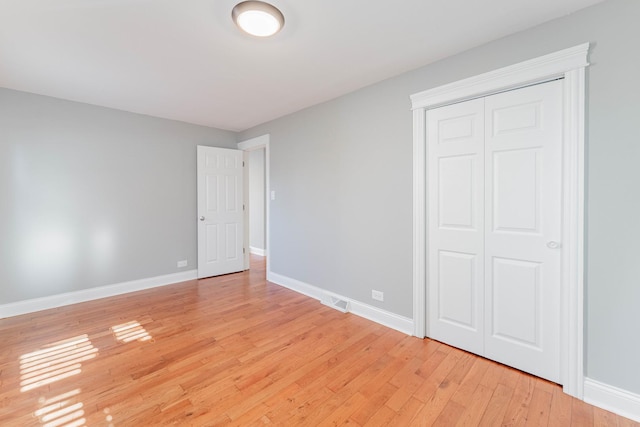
(568, 64)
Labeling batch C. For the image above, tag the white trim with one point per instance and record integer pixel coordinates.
(68, 298)
(419, 223)
(257, 251)
(572, 323)
(375, 314)
(254, 143)
(568, 64)
(295, 285)
(612, 399)
(262, 141)
(518, 75)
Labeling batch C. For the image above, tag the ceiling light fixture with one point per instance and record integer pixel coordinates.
(257, 18)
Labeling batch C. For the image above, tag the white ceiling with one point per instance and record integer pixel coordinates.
(185, 59)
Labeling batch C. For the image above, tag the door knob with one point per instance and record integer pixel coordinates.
(201, 218)
(553, 245)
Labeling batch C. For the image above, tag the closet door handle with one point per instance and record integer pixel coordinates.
(553, 245)
(201, 218)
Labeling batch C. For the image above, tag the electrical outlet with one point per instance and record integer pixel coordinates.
(182, 263)
(377, 295)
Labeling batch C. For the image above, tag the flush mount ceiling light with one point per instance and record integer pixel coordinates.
(257, 18)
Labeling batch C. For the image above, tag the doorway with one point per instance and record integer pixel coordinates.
(568, 65)
(256, 214)
(257, 202)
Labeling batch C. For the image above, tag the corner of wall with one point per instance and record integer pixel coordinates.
(375, 314)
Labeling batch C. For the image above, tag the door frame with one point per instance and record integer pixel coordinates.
(248, 145)
(570, 65)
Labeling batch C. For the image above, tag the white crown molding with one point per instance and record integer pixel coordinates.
(68, 298)
(533, 71)
(254, 143)
(375, 314)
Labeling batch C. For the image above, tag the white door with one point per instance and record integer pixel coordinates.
(220, 211)
(456, 228)
(523, 146)
(503, 269)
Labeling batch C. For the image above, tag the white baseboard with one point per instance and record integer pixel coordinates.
(295, 285)
(257, 251)
(375, 314)
(612, 399)
(53, 301)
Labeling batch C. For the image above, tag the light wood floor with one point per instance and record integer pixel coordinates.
(239, 350)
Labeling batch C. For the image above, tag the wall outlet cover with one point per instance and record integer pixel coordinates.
(377, 295)
(182, 263)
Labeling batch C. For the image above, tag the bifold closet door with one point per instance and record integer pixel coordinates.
(494, 227)
(523, 167)
(456, 226)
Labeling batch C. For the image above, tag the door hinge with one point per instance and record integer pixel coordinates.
(242, 250)
(243, 164)
(242, 207)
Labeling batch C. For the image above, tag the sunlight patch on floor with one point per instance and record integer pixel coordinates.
(62, 410)
(130, 331)
(54, 362)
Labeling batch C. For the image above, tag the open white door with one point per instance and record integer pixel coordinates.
(220, 211)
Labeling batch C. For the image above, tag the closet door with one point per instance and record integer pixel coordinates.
(455, 232)
(523, 158)
(494, 227)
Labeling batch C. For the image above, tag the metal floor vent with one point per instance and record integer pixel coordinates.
(335, 302)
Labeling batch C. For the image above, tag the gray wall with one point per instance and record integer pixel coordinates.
(91, 196)
(256, 199)
(342, 172)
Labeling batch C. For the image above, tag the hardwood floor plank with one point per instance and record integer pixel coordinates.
(437, 379)
(539, 408)
(581, 413)
(602, 418)
(469, 385)
(560, 411)
(382, 417)
(407, 414)
(373, 403)
(474, 408)
(344, 411)
(449, 415)
(516, 413)
(238, 350)
(497, 406)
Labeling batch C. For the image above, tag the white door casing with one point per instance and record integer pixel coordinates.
(220, 211)
(570, 65)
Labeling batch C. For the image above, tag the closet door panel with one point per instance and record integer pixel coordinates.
(455, 233)
(523, 149)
